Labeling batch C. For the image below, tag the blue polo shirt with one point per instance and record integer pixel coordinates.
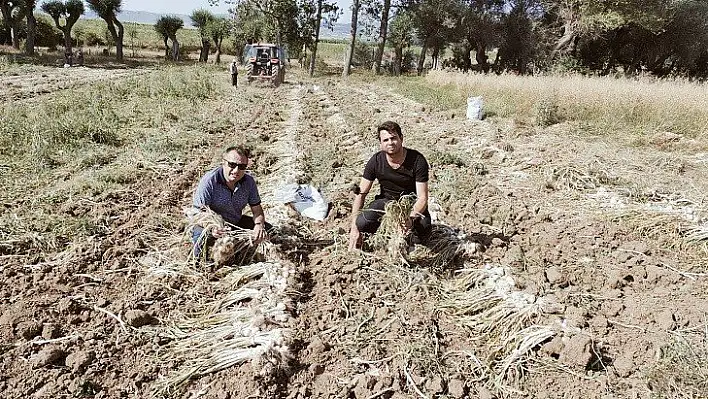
(213, 192)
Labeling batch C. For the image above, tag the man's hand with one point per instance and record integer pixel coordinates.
(259, 233)
(408, 223)
(354, 238)
(218, 233)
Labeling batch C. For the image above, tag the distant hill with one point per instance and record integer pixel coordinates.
(341, 30)
(141, 17)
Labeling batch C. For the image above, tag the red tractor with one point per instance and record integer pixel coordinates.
(265, 62)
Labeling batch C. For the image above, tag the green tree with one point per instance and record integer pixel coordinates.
(383, 32)
(218, 29)
(516, 50)
(478, 29)
(201, 19)
(70, 11)
(290, 23)
(47, 34)
(28, 7)
(585, 17)
(434, 21)
(248, 26)
(313, 14)
(356, 4)
(167, 27)
(108, 10)
(11, 16)
(400, 37)
(280, 17)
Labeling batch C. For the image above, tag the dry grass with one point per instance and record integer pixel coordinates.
(698, 234)
(608, 103)
(502, 322)
(448, 245)
(669, 232)
(247, 324)
(391, 235)
(578, 178)
(681, 370)
(234, 246)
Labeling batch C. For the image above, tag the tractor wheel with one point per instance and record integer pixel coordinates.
(275, 76)
(249, 73)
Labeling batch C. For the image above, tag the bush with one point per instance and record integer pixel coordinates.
(92, 39)
(568, 64)
(6, 38)
(547, 112)
(363, 54)
(408, 63)
(47, 34)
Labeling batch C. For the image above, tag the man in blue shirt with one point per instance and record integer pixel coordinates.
(226, 190)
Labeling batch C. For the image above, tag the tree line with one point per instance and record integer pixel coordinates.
(294, 24)
(64, 14)
(524, 36)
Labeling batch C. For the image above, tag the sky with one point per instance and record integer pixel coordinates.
(187, 6)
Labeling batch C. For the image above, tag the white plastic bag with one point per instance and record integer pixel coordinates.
(475, 108)
(305, 199)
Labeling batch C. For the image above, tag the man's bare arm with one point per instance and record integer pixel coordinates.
(357, 205)
(421, 203)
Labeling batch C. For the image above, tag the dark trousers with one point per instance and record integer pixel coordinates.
(246, 222)
(234, 79)
(369, 219)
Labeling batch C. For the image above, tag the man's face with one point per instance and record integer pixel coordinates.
(390, 143)
(232, 164)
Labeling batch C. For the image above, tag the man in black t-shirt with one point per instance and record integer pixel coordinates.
(400, 171)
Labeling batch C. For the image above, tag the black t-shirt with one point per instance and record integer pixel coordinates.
(397, 182)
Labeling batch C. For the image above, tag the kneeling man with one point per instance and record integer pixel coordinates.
(226, 190)
(400, 171)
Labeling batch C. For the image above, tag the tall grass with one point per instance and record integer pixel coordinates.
(94, 140)
(603, 104)
(139, 35)
(103, 113)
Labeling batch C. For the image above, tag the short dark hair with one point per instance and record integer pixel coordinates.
(391, 127)
(240, 150)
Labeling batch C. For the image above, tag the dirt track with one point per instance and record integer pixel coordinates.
(45, 80)
(363, 327)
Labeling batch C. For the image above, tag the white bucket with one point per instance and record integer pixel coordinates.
(475, 108)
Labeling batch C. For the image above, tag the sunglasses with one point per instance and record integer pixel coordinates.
(234, 165)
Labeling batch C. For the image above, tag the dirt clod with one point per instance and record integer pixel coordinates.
(50, 331)
(435, 384)
(7, 319)
(483, 393)
(624, 365)
(666, 320)
(29, 330)
(577, 351)
(316, 369)
(554, 275)
(316, 346)
(78, 361)
(50, 355)
(456, 388)
(554, 347)
(138, 318)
